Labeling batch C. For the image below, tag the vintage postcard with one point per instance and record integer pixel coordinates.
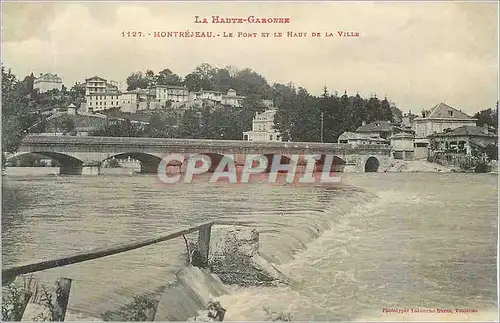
(250, 161)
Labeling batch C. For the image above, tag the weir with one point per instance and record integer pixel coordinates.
(193, 286)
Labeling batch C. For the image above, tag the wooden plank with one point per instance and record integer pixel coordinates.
(8, 273)
(234, 222)
(60, 298)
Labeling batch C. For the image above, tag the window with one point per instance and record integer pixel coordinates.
(450, 113)
(271, 137)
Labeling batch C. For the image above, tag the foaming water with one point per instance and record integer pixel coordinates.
(428, 246)
(377, 241)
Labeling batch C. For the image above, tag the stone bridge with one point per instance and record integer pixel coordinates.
(85, 154)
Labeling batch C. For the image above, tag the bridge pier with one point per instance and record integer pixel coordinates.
(149, 168)
(93, 169)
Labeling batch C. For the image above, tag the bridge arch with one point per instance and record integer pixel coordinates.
(149, 163)
(372, 164)
(337, 165)
(284, 160)
(215, 160)
(68, 164)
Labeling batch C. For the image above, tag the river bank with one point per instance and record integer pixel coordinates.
(416, 166)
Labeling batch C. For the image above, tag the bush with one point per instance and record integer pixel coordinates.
(278, 316)
(134, 312)
(114, 163)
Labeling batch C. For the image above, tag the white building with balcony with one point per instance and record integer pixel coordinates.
(47, 82)
(263, 128)
(101, 94)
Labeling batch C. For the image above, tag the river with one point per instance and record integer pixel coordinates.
(375, 241)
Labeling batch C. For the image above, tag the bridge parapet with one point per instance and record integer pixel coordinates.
(166, 142)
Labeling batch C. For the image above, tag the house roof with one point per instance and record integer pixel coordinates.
(138, 91)
(376, 126)
(105, 94)
(348, 135)
(171, 86)
(465, 131)
(403, 135)
(444, 111)
(95, 77)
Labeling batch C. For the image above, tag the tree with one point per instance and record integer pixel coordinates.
(164, 124)
(120, 128)
(203, 77)
(190, 123)
(15, 117)
(167, 77)
(66, 124)
(140, 80)
(488, 116)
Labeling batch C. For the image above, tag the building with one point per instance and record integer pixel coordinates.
(357, 138)
(440, 118)
(47, 82)
(233, 100)
(403, 146)
(468, 140)
(263, 127)
(137, 100)
(165, 93)
(216, 97)
(383, 129)
(101, 94)
(399, 136)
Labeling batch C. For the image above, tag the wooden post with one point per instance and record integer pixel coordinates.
(60, 298)
(204, 240)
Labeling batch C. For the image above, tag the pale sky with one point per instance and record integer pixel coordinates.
(416, 53)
